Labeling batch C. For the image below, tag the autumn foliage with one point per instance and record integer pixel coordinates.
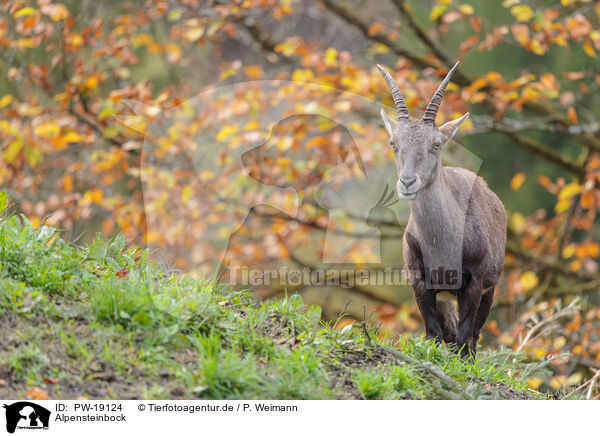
(215, 130)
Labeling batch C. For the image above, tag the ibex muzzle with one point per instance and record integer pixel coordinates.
(456, 235)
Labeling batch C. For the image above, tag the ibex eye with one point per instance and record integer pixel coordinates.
(391, 141)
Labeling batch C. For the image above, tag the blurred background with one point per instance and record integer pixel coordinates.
(247, 133)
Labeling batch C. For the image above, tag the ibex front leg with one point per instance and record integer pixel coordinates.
(469, 299)
(426, 300)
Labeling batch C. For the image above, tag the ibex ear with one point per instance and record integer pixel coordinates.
(390, 123)
(449, 129)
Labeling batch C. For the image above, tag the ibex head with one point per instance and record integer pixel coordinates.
(417, 145)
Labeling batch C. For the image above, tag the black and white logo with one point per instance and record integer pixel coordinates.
(26, 415)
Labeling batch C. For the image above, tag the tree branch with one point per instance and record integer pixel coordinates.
(349, 16)
(433, 45)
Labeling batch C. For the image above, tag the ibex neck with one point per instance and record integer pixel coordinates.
(435, 205)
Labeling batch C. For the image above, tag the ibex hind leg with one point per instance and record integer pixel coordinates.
(485, 306)
(448, 320)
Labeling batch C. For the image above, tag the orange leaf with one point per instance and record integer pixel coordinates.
(93, 196)
(572, 114)
(37, 393)
(544, 180)
(253, 71)
(376, 28)
(574, 324)
(492, 327)
(517, 180)
(316, 142)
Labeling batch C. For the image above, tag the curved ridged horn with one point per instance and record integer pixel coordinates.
(396, 94)
(436, 100)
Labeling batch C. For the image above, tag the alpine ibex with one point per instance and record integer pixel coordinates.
(454, 242)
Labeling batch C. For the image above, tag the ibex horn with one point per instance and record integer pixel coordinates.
(434, 104)
(396, 94)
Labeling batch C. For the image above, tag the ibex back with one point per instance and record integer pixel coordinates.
(454, 242)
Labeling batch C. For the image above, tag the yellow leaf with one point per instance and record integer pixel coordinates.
(559, 40)
(537, 48)
(535, 383)
(228, 72)
(58, 12)
(358, 128)
(568, 251)
(569, 191)
(517, 222)
(567, 2)
(74, 39)
(225, 132)
(466, 9)
(303, 75)
(528, 280)
(11, 153)
(72, 136)
(559, 342)
(48, 129)
(574, 379)
(437, 12)
(558, 381)
(6, 100)
(24, 12)
(517, 181)
(562, 206)
(252, 125)
(522, 12)
(506, 339)
(588, 49)
(194, 34)
(331, 57)
(186, 193)
(207, 175)
(90, 83)
(509, 3)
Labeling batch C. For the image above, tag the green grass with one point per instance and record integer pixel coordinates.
(104, 321)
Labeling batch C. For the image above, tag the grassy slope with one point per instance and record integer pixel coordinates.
(105, 322)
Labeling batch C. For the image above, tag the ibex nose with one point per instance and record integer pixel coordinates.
(408, 180)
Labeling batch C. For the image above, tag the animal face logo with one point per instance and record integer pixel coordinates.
(26, 415)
